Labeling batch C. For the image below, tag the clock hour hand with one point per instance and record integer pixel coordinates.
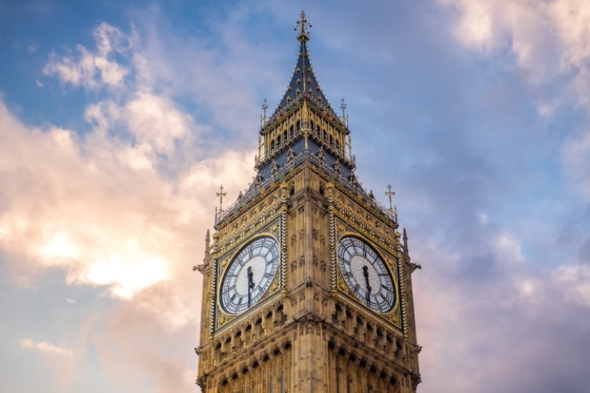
(366, 274)
(250, 283)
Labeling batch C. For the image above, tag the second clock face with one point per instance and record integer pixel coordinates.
(366, 274)
(249, 275)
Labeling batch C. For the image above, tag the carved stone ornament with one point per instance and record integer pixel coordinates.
(274, 170)
(337, 167)
(291, 157)
(321, 156)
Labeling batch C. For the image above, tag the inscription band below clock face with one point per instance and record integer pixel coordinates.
(366, 275)
(249, 275)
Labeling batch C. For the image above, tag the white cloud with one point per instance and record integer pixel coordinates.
(90, 206)
(547, 38)
(154, 121)
(94, 70)
(575, 281)
(44, 346)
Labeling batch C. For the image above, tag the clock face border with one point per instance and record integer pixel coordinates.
(234, 258)
(394, 315)
(273, 229)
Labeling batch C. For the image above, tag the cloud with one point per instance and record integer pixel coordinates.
(140, 347)
(548, 39)
(118, 207)
(99, 208)
(94, 70)
(44, 346)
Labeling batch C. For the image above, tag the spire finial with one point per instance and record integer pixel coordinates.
(221, 194)
(390, 194)
(303, 27)
(264, 108)
(344, 117)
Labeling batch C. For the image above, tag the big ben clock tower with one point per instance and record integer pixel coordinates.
(307, 285)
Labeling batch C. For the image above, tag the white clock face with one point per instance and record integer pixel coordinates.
(249, 275)
(366, 275)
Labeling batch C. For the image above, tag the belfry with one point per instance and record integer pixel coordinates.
(307, 285)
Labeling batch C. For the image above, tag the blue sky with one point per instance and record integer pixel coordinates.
(119, 120)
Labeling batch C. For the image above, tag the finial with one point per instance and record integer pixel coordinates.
(302, 25)
(221, 194)
(390, 194)
(207, 245)
(405, 240)
(263, 117)
(343, 106)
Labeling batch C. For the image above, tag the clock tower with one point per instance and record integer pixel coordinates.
(307, 285)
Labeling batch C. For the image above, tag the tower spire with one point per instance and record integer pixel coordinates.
(303, 82)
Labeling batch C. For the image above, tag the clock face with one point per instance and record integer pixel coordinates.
(249, 275)
(366, 275)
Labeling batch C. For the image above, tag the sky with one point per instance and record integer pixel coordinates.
(119, 120)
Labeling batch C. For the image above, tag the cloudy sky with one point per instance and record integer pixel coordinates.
(118, 121)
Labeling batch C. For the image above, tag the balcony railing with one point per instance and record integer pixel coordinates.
(306, 155)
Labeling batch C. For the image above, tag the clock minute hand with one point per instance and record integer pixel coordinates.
(366, 274)
(250, 283)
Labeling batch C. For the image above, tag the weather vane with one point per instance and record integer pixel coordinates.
(302, 25)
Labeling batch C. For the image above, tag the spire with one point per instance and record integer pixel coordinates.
(303, 80)
(405, 240)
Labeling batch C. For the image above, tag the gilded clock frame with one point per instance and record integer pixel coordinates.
(223, 262)
(392, 264)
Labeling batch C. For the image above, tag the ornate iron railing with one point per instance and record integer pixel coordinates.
(306, 155)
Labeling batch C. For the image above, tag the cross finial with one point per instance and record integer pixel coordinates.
(221, 194)
(390, 194)
(303, 27)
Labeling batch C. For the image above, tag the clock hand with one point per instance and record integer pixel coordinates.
(250, 283)
(366, 274)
